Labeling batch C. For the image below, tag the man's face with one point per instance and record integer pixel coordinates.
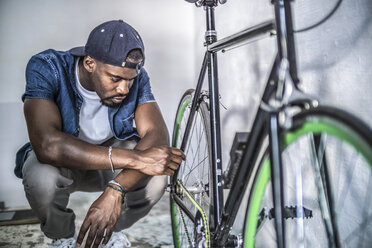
(112, 83)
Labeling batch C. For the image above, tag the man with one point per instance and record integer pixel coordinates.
(79, 108)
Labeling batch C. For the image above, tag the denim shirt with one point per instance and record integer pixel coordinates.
(51, 75)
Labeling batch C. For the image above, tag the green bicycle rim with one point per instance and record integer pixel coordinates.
(174, 206)
(333, 128)
(179, 118)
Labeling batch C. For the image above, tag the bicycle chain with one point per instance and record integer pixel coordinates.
(184, 225)
(205, 221)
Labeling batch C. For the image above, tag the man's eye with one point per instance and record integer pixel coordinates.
(115, 79)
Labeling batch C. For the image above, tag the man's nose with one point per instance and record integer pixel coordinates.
(122, 88)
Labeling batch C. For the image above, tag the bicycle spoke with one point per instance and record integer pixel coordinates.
(196, 166)
(321, 192)
(193, 175)
(354, 234)
(349, 175)
(366, 205)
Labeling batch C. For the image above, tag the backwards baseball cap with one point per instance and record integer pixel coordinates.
(110, 43)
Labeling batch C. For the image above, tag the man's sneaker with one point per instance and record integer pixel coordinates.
(63, 243)
(118, 240)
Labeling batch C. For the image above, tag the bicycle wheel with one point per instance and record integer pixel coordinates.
(327, 181)
(193, 176)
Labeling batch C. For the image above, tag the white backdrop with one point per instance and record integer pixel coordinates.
(29, 27)
(335, 58)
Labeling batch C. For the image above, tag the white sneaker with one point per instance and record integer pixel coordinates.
(63, 243)
(118, 240)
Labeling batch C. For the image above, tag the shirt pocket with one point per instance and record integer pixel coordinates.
(128, 124)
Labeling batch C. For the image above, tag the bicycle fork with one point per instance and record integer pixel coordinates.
(277, 178)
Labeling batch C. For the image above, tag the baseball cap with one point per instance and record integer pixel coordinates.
(110, 43)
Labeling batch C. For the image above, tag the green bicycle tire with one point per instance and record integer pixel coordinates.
(339, 126)
(178, 218)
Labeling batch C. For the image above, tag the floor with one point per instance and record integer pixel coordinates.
(152, 231)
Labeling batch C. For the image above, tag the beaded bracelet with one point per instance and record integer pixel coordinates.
(122, 193)
(118, 184)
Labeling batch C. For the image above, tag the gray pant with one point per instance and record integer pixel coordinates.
(48, 189)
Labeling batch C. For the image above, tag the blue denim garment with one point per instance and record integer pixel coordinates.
(51, 75)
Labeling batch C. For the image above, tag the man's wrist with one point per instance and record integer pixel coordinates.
(125, 159)
(133, 161)
(123, 190)
(115, 192)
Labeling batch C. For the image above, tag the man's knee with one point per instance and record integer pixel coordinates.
(146, 193)
(140, 201)
(155, 188)
(42, 181)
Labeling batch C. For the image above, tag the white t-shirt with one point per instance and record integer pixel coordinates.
(93, 120)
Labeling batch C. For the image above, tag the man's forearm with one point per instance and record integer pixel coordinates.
(129, 178)
(64, 150)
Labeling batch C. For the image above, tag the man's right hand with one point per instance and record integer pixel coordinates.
(160, 160)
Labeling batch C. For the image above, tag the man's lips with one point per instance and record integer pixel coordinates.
(115, 99)
(118, 99)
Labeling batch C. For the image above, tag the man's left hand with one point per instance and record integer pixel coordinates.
(101, 219)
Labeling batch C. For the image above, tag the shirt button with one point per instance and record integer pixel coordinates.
(78, 129)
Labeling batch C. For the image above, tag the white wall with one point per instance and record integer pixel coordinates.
(28, 27)
(334, 59)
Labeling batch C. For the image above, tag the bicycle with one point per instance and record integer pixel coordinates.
(289, 166)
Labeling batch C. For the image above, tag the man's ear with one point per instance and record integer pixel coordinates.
(89, 64)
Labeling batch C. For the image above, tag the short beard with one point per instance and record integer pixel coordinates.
(112, 104)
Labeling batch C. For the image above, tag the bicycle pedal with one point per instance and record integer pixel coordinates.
(292, 212)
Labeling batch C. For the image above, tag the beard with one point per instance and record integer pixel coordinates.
(107, 101)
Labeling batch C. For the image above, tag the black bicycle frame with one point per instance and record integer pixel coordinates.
(265, 123)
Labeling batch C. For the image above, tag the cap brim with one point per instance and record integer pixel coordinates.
(78, 51)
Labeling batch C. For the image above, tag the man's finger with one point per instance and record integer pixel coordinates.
(109, 231)
(176, 159)
(99, 236)
(83, 230)
(178, 152)
(173, 166)
(91, 236)
(169, 172)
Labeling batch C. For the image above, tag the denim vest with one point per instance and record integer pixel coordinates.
(51, 75)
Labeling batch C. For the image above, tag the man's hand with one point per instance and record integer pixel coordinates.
(101, 216)
(160, 160)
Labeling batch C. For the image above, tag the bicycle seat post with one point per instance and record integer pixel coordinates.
(210, 34)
